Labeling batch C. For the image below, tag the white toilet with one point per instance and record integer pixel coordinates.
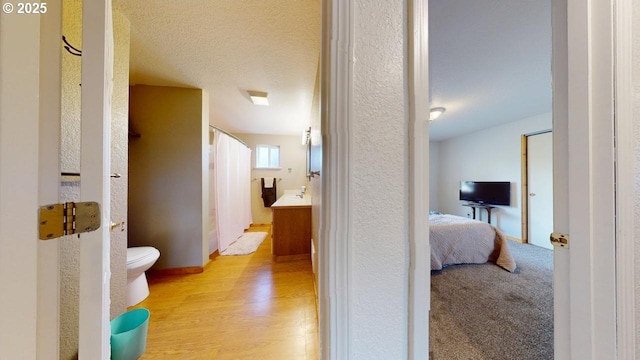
(139, 260)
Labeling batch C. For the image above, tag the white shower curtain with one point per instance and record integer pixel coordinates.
(232, 173)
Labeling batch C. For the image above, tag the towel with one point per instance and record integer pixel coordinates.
(269, 192)
(268, 182)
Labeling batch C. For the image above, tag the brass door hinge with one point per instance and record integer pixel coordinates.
(57, 220)
(558, 239)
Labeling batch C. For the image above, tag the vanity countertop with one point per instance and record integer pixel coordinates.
(289, 200)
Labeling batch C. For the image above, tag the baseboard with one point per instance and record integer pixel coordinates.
(214, 255)
(515, 239)
(286, 258)
(178, 271)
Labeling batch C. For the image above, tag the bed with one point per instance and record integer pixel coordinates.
(458, 240)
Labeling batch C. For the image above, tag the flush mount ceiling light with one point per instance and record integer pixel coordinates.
(258, 97)
(435, 113)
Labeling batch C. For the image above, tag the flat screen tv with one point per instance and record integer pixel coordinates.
(486, 192)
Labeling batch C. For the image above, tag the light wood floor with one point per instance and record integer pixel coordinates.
(241, 307)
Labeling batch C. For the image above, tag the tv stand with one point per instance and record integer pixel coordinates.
(473, 206)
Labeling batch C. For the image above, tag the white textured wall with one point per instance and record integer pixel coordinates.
(120, 163)
(434, 170)
(70, 161)
(492, 154)
(292, 156)
(379, 171)
(168, 174)
(636, 132)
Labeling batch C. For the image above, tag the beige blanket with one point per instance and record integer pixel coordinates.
(458, 240)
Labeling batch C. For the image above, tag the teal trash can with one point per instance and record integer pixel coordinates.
(129, 334)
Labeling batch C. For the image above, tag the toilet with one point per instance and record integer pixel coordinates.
(139, 260)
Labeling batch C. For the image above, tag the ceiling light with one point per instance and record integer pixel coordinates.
(258, 97)
(435, 113)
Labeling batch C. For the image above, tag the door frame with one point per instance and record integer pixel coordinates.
(524, 181)
(625, 193)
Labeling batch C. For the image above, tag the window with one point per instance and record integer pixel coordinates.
(267, 157)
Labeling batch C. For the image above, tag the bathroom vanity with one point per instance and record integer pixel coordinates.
(291, 228)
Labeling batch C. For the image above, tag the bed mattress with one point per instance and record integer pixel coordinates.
(458, 240)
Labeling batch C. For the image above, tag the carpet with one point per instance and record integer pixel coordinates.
(246, 244)
(481, 312)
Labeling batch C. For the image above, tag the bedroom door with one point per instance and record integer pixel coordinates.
(540, 189)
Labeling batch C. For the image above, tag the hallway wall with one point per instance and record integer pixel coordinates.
(169, 174)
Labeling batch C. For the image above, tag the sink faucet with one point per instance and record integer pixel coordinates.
(303, 190)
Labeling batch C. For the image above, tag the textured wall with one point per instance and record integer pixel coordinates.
(492, 154)
(636, 132)
(119, 163)
(292, 156)
(379, 188)
(70, 161)
(167, 168)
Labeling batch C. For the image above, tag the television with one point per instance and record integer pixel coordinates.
(486, 192)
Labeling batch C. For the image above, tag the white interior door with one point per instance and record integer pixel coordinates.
(97, 89)
(540, 186)
(19, 129)
(29, 178)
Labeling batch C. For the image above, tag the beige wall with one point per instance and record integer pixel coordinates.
(293, 161)
(70, 162)
(168, 174)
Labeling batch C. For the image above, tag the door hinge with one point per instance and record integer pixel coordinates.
(561, 240)
(57, 220)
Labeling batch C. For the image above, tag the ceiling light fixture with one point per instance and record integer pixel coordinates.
(258, 97)
(435, 113)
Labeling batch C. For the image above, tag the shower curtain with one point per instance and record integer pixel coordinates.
(231, 197)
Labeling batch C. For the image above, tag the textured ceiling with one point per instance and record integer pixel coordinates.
(227, 47)
(490, 60)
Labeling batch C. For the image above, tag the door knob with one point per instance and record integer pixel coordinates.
(532, 194)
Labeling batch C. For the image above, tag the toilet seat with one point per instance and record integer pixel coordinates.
(141, 255)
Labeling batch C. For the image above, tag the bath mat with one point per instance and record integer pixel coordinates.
(246, 244)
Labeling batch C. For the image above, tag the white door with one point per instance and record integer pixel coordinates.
(540, 186)
(19, 129)
(95, 169)
(29, 177)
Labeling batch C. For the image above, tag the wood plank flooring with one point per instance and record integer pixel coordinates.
(240, 307)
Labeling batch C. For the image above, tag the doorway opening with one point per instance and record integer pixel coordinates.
(492, 75)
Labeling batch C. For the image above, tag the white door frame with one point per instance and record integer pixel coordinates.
(420, 250)
(334, 253)
(625, 223)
